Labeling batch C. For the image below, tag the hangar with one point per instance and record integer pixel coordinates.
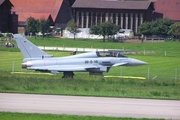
(126, 14)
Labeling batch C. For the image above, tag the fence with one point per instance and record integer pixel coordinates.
(167, 63)
(142, 52)
(150, 73)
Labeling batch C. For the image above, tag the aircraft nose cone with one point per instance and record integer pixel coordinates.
(135, 62)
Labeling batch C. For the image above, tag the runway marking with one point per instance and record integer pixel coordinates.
(131, 77)
(31, 73)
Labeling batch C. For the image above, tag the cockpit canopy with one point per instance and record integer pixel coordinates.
(109, 54)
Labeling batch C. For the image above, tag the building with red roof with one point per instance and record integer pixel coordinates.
(128, 14)
(56, 11)
(167, 9)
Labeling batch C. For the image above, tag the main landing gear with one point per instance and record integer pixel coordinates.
(68, 74)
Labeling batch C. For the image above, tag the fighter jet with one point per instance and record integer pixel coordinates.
(95, 62)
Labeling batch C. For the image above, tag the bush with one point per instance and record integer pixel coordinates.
(9, 35)
(1, 35)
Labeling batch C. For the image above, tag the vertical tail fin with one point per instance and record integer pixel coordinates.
(28, 49)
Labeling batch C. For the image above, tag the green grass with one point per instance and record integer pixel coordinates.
(160, 66)
(161, 84)
(163, 70)
(85, 85)
(90, 43)
(171, 48)
(29, 116)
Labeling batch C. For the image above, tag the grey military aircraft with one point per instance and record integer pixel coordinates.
(95, 62)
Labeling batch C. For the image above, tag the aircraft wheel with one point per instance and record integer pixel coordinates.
(68, 75)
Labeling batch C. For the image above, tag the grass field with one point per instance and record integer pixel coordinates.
(170, 47)
(88, 43)
(163, 80)
(26, 116)
(163, 72)
(89, 86)
(160, 66)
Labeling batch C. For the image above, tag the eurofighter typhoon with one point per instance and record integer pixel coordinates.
(95, 62)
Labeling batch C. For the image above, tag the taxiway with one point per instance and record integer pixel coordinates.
(93, 106)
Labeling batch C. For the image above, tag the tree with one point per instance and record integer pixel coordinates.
(175, 30)
(161, 26)
(72, 27)
(95, 29)
(44, 26)
(145, 28)
(32, 26)
(104, 29)
(156, 27)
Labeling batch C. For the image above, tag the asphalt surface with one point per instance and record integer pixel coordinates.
(94, 106)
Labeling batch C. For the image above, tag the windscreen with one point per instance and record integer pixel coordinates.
(109, 54)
